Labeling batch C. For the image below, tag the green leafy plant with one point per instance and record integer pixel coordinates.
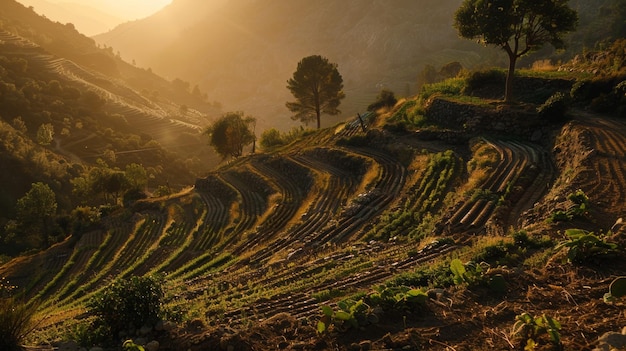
(129, 303)
(468, 273)
(579, 209)
(530, 329)
(354, 313)
(129, 345)
(348, 314)
(582, 246)
(617, 290)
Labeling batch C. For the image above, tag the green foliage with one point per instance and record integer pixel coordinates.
(385, 98)
(230, 133)
(583, 246)
(517, 27)
(451, 87)
(129, 345)
(617, 290)
(273, 137)
(45, 134)
(580, 209)
(351, 313)
(530, 329)
(473, 274)
(480, 79)
(555, 108)
(318, 88)
(618, 287)
(425, 198)
(35, 214)
(128, 303)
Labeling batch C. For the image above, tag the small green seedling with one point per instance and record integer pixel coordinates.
(531, 328)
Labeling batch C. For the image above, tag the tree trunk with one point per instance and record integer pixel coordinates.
(508, 90)
(318, 119)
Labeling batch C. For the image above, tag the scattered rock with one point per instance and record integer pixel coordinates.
(69, 346)
(145, 330)
(152, 346)
(365, 345)
(612, 340)
(96, 348)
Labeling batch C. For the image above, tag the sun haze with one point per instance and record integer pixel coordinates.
(125, 9)
(96, 16)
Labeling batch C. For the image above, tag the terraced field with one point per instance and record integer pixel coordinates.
(328, 217)
(161, 121)
(266, 234)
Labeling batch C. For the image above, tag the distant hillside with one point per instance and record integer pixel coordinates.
(97, 106)
(86, 19)
(242, 52)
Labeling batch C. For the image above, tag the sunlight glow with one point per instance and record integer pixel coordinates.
(125, 9)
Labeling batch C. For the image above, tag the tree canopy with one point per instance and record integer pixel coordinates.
(230, 133)
(318, 88)
(516, 26)
(35, 210)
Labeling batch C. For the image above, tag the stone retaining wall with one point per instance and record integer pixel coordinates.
(520, 120)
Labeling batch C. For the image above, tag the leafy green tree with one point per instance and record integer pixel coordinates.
(136, 176)
(129, 303)
(45, 134)
(516, 26)
(230, 133)
(318, 88)
(35, 211)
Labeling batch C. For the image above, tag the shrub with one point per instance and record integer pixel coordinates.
(583, 246)
(129, 303)
(480, 79)
(555, 108)
(582, 90)
(385, 98)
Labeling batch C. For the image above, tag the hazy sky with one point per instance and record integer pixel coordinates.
(125, 9)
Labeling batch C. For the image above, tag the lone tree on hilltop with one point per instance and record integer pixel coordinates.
(516, 26)
(230, 133)
(317, 86)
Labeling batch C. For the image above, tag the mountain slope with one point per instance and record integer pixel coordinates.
(96, 104)
(243, 52)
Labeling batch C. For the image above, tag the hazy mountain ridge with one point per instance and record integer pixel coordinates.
(243, 52)
(87, 19)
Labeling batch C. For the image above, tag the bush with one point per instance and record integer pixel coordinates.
(385, 98)
(480, 79)
(555, 108)
(130, 303)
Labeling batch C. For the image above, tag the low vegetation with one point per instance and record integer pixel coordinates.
(446, 220)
